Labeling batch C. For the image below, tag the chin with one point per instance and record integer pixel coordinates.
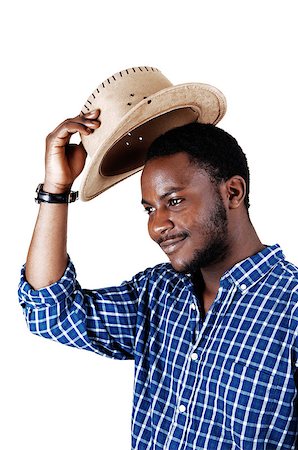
(182, 258)
(179, 265)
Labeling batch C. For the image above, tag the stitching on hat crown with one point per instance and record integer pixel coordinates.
(114, 78)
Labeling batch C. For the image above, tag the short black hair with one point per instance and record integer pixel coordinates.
(210, 147)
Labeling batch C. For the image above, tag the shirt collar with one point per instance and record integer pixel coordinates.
(252, 269)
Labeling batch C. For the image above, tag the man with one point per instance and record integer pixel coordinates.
(214, 332)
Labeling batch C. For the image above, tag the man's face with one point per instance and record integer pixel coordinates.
(187, 216)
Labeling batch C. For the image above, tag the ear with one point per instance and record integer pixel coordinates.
(235, 191)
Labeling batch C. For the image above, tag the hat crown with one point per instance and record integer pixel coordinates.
(120, 93)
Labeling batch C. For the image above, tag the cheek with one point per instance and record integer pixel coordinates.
(194, 222)
(199, 231)
(150, 229)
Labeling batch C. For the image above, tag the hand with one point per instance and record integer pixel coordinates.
(64, 161)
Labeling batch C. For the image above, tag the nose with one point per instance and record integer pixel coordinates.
(159, 223)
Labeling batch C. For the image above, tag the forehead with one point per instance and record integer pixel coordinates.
(177, 170)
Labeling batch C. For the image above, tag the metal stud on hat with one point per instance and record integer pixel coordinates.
(138, 105)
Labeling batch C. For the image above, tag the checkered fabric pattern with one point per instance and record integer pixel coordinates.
(228, 382)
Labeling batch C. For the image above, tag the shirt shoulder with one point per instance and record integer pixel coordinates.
(160, 284)
(290, 269)
(289, 276)
(162, 272)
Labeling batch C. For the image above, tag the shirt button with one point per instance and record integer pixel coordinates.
(193, 306)
(194, 356)
(182, 408)
(243, 286)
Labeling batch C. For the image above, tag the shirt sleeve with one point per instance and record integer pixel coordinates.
(294, 329)
(102, 320)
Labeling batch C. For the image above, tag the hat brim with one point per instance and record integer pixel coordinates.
(162, 111)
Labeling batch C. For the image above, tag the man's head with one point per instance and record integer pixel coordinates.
(195, 176)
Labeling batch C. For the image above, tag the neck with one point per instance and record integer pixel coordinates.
(243, 244)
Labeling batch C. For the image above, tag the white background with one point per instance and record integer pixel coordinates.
(53, 55)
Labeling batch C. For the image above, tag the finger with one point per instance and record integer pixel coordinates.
(61, 135)
(83, 124)
(81, 121)
(89, 119)
(92, 114)
(64, 131)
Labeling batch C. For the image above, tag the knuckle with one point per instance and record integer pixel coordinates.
(49, 137)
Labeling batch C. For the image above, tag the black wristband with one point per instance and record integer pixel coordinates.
(47, 197)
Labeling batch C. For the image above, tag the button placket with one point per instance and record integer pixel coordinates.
(191, 368)
(188, 380)
(182, 408)
(194, 356)
(195, 319)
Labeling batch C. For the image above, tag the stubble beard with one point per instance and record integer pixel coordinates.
(216, 248)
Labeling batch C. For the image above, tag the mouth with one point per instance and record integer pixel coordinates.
(171, 245)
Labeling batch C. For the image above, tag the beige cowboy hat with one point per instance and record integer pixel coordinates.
(137, 105)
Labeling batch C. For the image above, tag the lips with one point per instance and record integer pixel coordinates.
(170, 245)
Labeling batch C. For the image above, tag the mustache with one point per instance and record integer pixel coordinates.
(181, 235)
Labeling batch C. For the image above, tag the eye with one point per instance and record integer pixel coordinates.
(175, 201)
(148, 210)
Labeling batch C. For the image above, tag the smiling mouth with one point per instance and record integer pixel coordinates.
(171, 245)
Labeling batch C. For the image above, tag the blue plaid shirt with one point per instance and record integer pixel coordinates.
(227, 382)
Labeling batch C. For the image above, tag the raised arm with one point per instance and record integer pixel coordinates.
(47, 255)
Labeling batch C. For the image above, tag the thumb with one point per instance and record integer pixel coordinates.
(75, 151)
(76, 156)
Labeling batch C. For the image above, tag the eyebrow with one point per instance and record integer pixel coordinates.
(171, 190)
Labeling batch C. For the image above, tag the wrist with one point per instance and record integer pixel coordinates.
(56, 188)
(44, 196)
